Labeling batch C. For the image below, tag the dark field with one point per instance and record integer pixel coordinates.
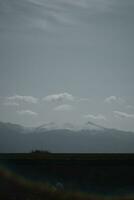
(83, 176)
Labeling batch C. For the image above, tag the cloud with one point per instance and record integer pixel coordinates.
(64, 107)
(18, 98)
(95, 117)
(59, 97)
(130, 106)
(115, 99)
(36, 2)
(10, 104)
(64, 97)
(123, 115)
(27, 112)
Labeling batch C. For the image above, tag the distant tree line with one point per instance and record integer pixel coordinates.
(40, 152)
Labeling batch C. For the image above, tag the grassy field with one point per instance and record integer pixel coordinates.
(67, 156)
(85, 176)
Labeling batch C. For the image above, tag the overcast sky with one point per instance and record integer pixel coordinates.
(67, 61)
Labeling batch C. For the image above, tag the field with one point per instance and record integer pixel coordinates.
(81, 176)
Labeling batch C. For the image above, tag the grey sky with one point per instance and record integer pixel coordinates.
(83, 48)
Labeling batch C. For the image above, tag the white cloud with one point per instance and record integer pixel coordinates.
(27, 112)
(64, 97)
(64, 107)
(115, 99)
(10, 103)
(27, 99)
(59, 97)
(123, 115)
(95, 117)
(130, 106)
(110, 99)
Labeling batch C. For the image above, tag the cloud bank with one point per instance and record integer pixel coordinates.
(10, 103)
(95, 117)
(19, 98)
(27, 112)
(59, 97)
(123, 115)
(114, 99)
(130, 106)
(64, 107)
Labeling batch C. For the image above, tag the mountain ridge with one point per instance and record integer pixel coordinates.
(103, 140)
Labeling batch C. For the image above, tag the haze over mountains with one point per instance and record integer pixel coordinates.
(91, 138)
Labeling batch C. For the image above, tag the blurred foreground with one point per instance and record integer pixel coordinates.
(14, 187)
(44, 175)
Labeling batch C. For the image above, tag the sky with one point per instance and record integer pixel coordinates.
(67, 61)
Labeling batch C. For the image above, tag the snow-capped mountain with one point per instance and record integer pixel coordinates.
(89, 138)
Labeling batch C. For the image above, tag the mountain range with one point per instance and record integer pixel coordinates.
(91, 138)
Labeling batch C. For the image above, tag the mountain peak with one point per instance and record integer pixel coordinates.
(92, 125)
